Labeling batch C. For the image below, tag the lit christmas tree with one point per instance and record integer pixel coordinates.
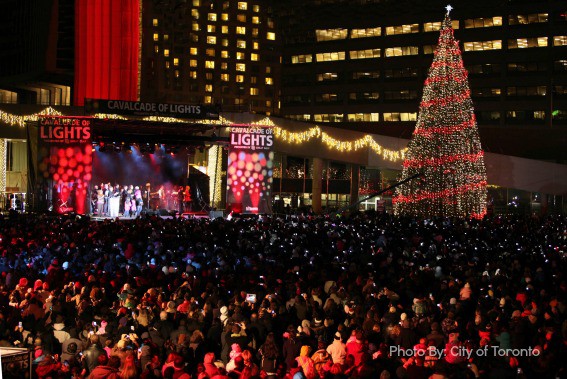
(445, 146)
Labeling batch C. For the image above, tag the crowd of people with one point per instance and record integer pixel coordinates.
(368, 296)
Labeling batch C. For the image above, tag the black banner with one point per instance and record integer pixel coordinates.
(144, 109)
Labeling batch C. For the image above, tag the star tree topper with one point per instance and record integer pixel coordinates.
(449, 8)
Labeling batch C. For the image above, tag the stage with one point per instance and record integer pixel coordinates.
(164, 214)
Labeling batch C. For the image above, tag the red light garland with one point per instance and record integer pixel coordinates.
(445, 147)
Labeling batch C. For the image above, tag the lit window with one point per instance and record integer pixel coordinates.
(327, 76)
(226, 4)
(241, 30)
(241, 44)
(255, 45)
(255, 20)
(304, 58)
(483, 45)
(224, 16)
(523, 19)
(392, 117)
(211, 28)
(268, 103)
(523, 43)
(268, 69)
(269, 81)
(242, 5)
(210, 52)
(271, 36)
(255, 32)
(365, 75)
(364, 33)
(193, 74)
(254, 91)
(195, 14)
(166, 52)
(332, 117)
(332, 56)
(176, 73)
(224, 42)
(155, 22)
(208, 88)
(253, 79)
(176, 61)
(208, 99)
(167, 64)
(239, 78)
(193, 51)
(432, 26)
(241, 18)
(212, 17)
(196, 3)
(253, 57)
(401, 51)
(330, 34)
(193, 63)
(483, 22)
(224, 29)
(211, 40)
(256, 8)
(156, 37)
(225, 77)
(240, 55)
(362, 117)
(156, 48)
(224, 54)
(210, 64)
(224, 66)
(195, 27)
(240, 67)
(363, 54)
(402, 29)
(560, 41)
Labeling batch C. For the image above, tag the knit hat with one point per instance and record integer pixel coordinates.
(453, 301)
(23, 282)
(38, 285)
(337, 336)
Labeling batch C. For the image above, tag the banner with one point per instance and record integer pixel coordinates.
(249, 170)
(64, 159)
(144, 109)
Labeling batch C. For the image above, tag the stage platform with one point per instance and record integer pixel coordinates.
(164, 215)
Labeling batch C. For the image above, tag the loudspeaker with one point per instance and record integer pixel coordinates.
(164, 212)
(215, 214)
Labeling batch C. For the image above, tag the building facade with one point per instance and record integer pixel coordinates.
(211, 52)
(361, 65)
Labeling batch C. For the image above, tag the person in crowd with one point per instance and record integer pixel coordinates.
(166, 296)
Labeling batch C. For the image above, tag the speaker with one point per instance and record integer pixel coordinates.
(164, 212)
(216, 214)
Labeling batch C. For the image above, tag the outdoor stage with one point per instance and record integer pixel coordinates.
(164, 215)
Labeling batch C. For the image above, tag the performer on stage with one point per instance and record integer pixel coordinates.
(127, 202)
(180, 199)
(138, 200)
(113, 201)
(100, 202)
(106, 194)
(94, 196)
(188, 200)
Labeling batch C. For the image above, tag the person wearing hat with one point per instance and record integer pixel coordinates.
(337, 349)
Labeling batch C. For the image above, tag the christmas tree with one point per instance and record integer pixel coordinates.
(445, 146)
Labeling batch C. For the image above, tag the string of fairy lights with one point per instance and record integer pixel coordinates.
(282, 134)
